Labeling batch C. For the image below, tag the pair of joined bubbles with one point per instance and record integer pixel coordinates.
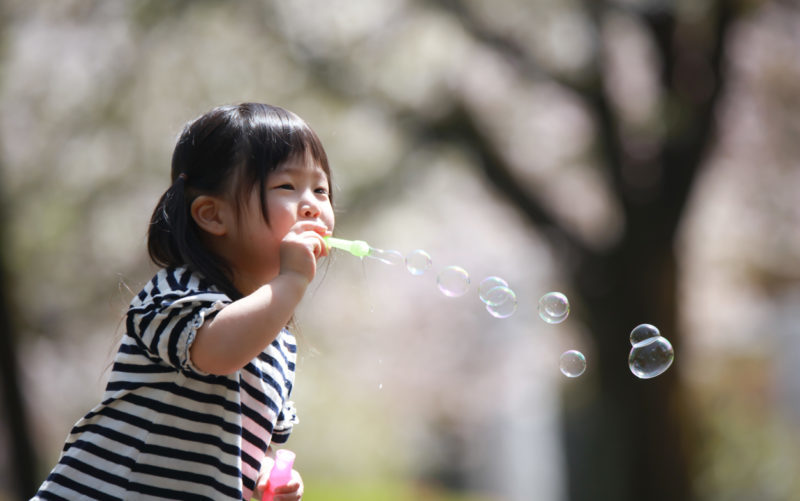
(651, 354)
(454, 281)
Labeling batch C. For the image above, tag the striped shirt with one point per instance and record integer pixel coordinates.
(165, 429)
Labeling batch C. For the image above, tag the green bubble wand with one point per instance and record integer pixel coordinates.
(358, 248)
(362, 249)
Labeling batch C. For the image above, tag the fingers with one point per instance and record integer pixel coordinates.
(292, 491)
(311, 225)
(310, 234)
(289, 492)
(301, 247)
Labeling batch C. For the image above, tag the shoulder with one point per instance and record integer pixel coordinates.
(163, 318)
(170, 285)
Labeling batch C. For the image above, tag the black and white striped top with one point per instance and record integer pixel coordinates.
(166, 430)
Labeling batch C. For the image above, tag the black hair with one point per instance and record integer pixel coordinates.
(228, 151)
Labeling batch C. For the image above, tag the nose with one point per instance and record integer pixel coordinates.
(308, 209)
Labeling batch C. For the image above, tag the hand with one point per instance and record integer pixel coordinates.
(301, 247)
(292, 491)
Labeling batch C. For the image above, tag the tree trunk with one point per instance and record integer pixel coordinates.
(24, 468)
(628, 443)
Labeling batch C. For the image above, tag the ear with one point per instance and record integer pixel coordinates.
(210, 214)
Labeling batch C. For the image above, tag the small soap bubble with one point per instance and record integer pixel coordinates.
(651, 357)
(391, 257)
(487, 292)
(553, 307)
(418, 262)
(503, 302)
(572, 363)
(643, 332)
(453, 281)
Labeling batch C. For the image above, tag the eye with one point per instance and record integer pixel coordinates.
(284, 186)
(321, 191)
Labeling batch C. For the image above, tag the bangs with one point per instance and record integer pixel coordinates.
(270, 138)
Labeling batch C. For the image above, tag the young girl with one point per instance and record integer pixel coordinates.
(199, 388)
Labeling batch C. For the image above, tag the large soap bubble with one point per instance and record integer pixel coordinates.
(652, 354)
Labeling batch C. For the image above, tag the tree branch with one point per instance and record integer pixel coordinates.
(694, 86)
(461, 127)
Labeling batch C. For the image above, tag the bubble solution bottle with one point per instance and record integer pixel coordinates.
(281, 473)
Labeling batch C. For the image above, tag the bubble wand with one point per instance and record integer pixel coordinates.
(362, 249)
(358, 248)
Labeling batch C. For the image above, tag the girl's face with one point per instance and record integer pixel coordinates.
(297, 191)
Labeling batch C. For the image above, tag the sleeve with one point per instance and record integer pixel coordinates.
(286, 421)
(167, 324)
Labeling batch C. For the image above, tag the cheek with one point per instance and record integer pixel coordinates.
(329, 218)
(280, 215)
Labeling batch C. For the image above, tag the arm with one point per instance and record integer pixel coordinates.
(241, 330)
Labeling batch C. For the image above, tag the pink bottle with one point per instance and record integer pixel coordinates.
(281, 473)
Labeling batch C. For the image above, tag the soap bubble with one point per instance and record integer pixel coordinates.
(553, 307)
(418, 262)
(391, 257)
(502, 303)
(651, 355)
(453, 281)
(487, 289)
(643, 332)
(572, 363)
(499, 295)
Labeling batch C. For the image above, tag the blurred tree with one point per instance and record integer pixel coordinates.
(634, 440)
